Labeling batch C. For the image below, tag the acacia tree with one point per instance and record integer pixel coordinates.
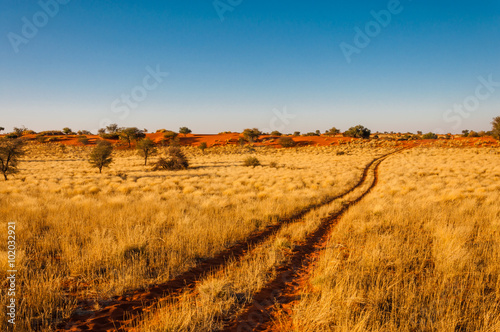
(185, 130)
(10, 152)
(496, 127)
(112, 128)
(131, 134)
(101, 155)
(146, 148)
(358, 132)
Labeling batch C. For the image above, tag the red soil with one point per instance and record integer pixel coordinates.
(268, 140)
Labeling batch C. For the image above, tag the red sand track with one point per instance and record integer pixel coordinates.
(120, 312)
(285, 287)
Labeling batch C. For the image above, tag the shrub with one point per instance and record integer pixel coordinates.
(12, 136)
(276, 133)
(169, 135)
(101, 155)
(10, 152)
(176, 160)
(251, 134)
(286, 142)
(296, 133)
(496, 127)
(465, 133)
(311, 134)
(430, 136)
(203, 146)
(109, 136)
(358, 132)
(473, 134)
(251, 161)
(83, 139)
(50, 133)
(273, 164)
(332, 131)
(40, 138)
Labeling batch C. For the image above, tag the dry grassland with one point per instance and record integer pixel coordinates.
(421, 253)
(82, 235)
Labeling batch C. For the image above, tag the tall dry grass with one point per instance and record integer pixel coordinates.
(86, 235)
(421, 253)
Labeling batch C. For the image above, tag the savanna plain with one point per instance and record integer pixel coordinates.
(419, 252)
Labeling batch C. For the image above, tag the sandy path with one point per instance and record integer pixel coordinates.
(120, 312)
(292, 277)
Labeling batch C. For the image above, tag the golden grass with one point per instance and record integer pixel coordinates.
(421, 253)
(95, 236)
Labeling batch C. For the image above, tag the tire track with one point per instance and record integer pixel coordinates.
(121, 310)
(284, 288)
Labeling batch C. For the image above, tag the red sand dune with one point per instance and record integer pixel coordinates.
(268, 140)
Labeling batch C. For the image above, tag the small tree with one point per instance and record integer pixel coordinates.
(131, 134)
(332, 132)
(419, 132)
(496, 127)
(19, 131)
(296, 133)
(251, 134)
(2, 128)
(358, 132)
(67, 131)
(146, 148)
(184, 130)
(112, 128)
(10, 152)
(465, 133)
(286, 142)
(101, 155)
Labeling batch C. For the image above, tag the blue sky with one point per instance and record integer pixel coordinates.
(262, 59)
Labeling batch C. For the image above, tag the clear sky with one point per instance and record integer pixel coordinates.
(233, 64)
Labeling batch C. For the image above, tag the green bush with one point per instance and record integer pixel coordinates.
(430, 136)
